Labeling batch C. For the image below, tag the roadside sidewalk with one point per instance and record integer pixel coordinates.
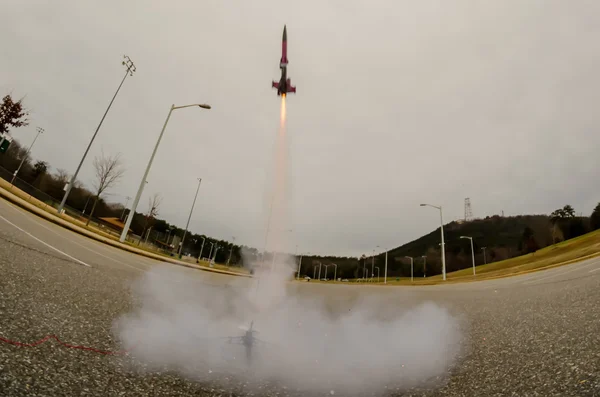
(101, 236)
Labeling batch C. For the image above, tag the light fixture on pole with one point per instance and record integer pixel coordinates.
(129, 72)
(472, 252)
(141, 188)
(442, 233)
(39, 130)
(189, 217)
(411, 267)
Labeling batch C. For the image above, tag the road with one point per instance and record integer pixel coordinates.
(532, 335)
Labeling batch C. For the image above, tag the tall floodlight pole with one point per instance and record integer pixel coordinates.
(442, 245)
(39, 130)
(129, 72)
(377, 267)
(230, 251)
(189, 217)
(319, 271)
(411, 267)
(314, 271)
(141, 188)
(424, 265)
(472, 252)
(484, 258)
(335, 272)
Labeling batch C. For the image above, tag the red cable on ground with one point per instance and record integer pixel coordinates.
(39, 342)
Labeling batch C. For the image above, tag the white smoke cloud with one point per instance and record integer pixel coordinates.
(313, 343)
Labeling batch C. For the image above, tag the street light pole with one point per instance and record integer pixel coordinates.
(373, 265)
(210, 252)
(326, 266)
(201, 249)
(189, 217)
(411, 267)
(484, 258)
(442, 244)
(130, 69)
(230, 251)
(424, 265)
(385, 270)
(299, 267)
(141, 188)
(319, 271)
(125, 208)
(39, 130)
(335, 272)
(472, 252)
(377, 267)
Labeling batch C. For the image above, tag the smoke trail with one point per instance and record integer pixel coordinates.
(318, 338)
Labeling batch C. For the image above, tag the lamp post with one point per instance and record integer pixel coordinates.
(326, 266)
(314, 271)
(320, 271)
(141, 188)
(299, 267)
(373, 265)
(210, 252)
(201, 249)
(411, 267)
(39, 130)
(385, 268)
(377, 267)
(472, 252)
(129, 72)
(335, 272)
(230, 251)
(484, 258)
(424, 265)
(442, 244)
(125, 208)
(189, 217)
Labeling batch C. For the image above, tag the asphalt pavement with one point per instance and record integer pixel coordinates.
(536, 334)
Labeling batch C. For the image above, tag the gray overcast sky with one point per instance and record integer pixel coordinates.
(399, 102)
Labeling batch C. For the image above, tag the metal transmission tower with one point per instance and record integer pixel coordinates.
(468, 211)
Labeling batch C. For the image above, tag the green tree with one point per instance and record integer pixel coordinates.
(12, 114)
(595, 218)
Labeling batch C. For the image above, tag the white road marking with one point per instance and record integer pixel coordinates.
(594, 270)
(75, 242)
(45, 243)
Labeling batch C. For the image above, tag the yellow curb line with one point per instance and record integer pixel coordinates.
(77, 229)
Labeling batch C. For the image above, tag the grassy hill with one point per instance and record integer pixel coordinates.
(503, 237)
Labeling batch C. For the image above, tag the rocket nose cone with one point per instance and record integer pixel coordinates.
(284, 33)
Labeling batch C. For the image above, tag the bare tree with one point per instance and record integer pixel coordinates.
(61, 175)
(153, 204)
(108, 172)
